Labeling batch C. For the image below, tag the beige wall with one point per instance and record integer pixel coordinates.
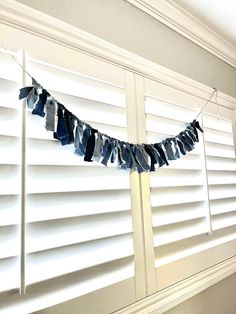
(218, 299)
(126, 26)
(120, 23)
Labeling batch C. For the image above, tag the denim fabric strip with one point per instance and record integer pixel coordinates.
(97, 153)
(163, 158)
(152, 155)
(113, 152)
(177, 153)
(158, 158)
(134, 164)
(126, 156)
(169, 149)
(188, 138)
(51, 106)
(197, 125)
(90, 146)
(107, 152)
(191, 134)
(105, 147)
(70, 124)
(39, 106)
(85, 138)
(194, 130)
(25, 91)
(78, 139)
(187, 146)
(181, 146)
(33, 97)
(141, 157)
(119, 153)
(61, 134)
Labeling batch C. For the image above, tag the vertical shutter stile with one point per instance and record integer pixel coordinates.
(9, 174)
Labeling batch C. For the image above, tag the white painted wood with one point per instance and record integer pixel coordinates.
(145, 191)
(168, 298)
(174, 16)
(136, 200)
(65, 291)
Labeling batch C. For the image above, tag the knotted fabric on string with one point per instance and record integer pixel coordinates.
(94, 145)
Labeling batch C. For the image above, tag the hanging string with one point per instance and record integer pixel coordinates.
(204, 106)
(24, 69)
(217, 106)
(11, 56)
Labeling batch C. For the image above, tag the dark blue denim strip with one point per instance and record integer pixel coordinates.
(119, 153)
(107, 153)
(191, 134)
(163, 158)
(85, 137)
(197, 125)
(25, 91)
(134, 164)
(105, 147)
(70, 124)
(61, 134)
(141, 157)
(39, 106)
(157, 156)
(152, 157)
(187, 146)
(188, 138)
(126, 156)
(195, 132)
(181, 146)
(90, 146)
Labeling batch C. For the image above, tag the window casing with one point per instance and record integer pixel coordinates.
(91, 229)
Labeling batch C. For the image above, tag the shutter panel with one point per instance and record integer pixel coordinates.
(179, 192)
(79, 219)
(221, 163)
(9, 174)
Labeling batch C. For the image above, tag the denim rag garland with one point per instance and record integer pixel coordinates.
(94, 145)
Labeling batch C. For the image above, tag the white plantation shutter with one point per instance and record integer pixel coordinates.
(9, 175)
(184, 208)
(79, 227)
(79, 219)
(221, 169)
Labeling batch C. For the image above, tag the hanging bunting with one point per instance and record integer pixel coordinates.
(94, 145)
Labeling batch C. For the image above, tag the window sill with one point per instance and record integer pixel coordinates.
(170, 297)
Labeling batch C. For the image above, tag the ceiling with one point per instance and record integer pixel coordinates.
(218, 15)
